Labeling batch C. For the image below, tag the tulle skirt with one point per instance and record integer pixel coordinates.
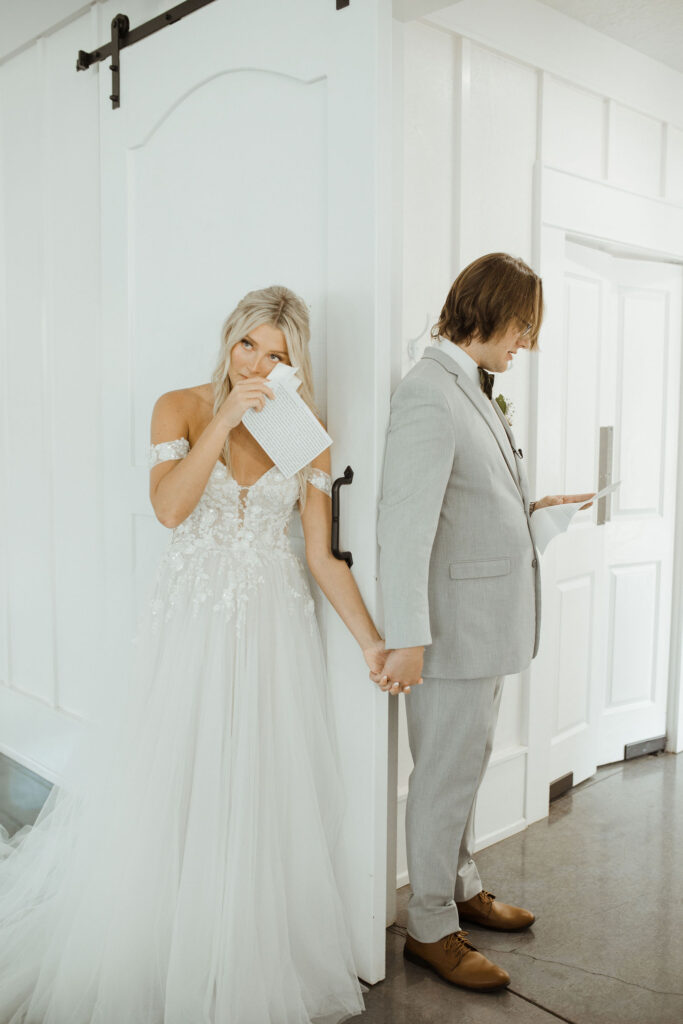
(183, 874)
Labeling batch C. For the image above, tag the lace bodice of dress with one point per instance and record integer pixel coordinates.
(243, 527)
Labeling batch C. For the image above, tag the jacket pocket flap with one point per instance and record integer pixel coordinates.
(479, 570)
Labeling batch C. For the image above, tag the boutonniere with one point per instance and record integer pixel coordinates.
(506, 407)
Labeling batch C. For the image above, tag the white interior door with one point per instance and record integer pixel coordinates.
(641, 367)
(570, 656)
(245, 153)
(613, 360)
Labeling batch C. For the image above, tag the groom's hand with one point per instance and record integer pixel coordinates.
(402, 669)
(564, 499)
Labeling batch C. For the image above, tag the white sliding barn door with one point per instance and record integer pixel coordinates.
(245, 153)
(613, 361)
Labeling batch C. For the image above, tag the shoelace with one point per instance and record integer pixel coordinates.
(486, 897)
(457, 942)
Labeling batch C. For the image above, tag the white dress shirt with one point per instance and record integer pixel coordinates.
(460, 356)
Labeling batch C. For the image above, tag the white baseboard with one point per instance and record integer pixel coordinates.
(36, 735)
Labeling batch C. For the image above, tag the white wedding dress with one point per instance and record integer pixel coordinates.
(184, 874)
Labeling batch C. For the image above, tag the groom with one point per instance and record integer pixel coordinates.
(461, 590)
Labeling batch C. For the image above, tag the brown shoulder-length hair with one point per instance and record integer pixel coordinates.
(489, 293)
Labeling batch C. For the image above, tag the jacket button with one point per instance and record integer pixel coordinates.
(534, 563)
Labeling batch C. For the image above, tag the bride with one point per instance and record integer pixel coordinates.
(184, 874)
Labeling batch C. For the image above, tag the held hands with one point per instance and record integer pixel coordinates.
(395, 671)
(250, 393)
(375, 658)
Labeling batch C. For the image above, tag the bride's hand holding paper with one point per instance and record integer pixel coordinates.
(249, 394)
(285, 427)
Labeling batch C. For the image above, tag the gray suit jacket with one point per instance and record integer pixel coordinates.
(458, 568)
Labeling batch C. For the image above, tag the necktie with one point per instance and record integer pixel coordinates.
(486, 381)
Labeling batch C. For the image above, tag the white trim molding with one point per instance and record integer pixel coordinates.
(543, 38)
(596, 210)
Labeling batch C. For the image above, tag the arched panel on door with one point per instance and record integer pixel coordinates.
(228, 193)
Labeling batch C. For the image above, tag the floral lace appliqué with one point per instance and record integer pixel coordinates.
(221, 553)
(168, 450)
(321, 480)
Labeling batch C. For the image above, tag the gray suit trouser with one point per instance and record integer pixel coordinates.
(451, 723)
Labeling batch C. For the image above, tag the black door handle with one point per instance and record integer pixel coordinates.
(344, 556)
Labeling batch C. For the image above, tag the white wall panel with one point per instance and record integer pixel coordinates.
(532, 32)
(22, 22)
(510, 731)
(635, 151)
(428, 126)
(498, 151)
(72, 329)
(574, 653)
(36, 735)
(28, 468)
(503, 787)
(498, 154)
(674, 164)
(573, 128)
(632, 634)
(642, 329)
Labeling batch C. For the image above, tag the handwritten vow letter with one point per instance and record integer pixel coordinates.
(286, 428)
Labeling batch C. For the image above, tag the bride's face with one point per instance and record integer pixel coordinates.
(261, 349)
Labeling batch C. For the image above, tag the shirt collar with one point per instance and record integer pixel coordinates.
(459, 356)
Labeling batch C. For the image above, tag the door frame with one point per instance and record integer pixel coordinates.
(571, 208)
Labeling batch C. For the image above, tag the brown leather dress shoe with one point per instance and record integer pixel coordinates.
(455, 960)
(485, 910)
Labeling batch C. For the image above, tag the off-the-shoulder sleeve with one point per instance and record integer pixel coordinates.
(168, 450)
(321, 480)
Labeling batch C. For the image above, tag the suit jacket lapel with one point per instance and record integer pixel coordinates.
(513, 444)
(484, 408)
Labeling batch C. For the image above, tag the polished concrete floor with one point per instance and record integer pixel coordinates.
(604, 876)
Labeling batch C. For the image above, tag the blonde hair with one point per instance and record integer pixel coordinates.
(278, 307)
